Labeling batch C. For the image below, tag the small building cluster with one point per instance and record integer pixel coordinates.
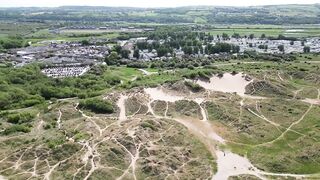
(63, 59)
(271, 46)
(245, 44)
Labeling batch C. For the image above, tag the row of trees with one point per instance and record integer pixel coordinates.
(306, 49)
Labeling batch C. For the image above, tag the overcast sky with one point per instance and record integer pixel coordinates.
(148, 3)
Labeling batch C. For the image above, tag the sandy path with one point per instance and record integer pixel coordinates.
(289, 128)
(313, 101)
(279, 76)
(59, 119)
(203, 111)
(147, 73)
(229, 164)
(263, 118)
(122, 107)
(295, 93)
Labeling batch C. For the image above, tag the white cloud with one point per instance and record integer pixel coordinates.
(149, 3)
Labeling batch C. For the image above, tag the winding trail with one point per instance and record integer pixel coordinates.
(264, 118)
(122, 107)
(59, 119)
(279, 76)
(295, 93)
(203, 111)
(229, 164)
(289, 128)
(313, 101)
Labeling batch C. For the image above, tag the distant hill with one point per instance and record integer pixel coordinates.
(272, 14)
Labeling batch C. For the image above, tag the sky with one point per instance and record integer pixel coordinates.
(148, 3)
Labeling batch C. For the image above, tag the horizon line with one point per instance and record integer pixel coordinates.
(158, 7)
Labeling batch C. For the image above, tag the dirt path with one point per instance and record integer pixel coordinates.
(52, 168)
(59, 119)
(295, 93)
(122, 107)
(279, 76)
(289, 128)
(203, 111)
(134, 158)
(262, 117)
(229, 164)
(313, 101)
(147, 73)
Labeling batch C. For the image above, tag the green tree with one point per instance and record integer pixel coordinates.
(236, 35)
(225, 36)
(85, 43)
(306, 49)
(117, 49)
(196, 50)
(187, 50)
(125, 53)
(112, 59)
(235, 49)
(136, 53)
(281, 48)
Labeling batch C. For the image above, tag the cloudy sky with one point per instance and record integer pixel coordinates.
(149, 3)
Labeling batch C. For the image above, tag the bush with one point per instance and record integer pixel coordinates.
(193, 86)
(53, 143)
(190, 67)
(47, 126)
(97, 105)
(20, 118)
(146, 125)
(16, 128)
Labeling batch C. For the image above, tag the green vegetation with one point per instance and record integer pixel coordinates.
(193, 86)
(275, 15)
(27, 86)
(20, 118)
(97, 105)
(40, 124)
(15, 129)
(11, 42)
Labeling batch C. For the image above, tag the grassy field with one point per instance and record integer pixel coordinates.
(291, 143)
(45, 35)
(21, 28)
(305, 32)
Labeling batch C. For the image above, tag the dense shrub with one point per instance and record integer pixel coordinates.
(193, 86)
(27, 86)
(15, 129)
(20, 118)
(97, 105)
